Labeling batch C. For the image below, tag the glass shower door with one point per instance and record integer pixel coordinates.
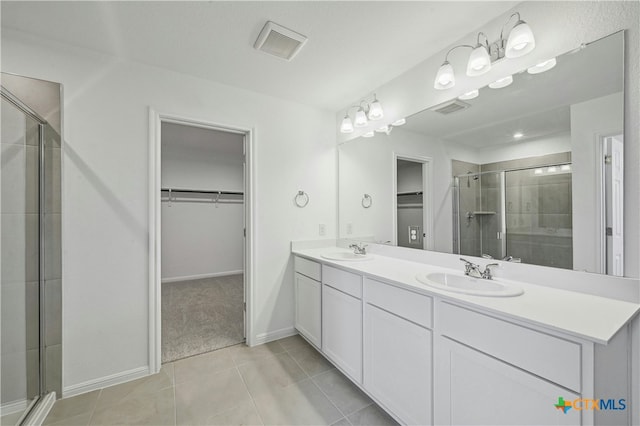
(20, 262)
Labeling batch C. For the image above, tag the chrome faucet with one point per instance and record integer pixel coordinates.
(473, 270)
(359, 248)
(506, 258)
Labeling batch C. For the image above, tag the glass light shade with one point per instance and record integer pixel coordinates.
(347, 125)
(503, 82)
(469, 95)
(375, 110)
(542, 66)
(368, 134)
(444, 78)
(520, 41)
(361, 118)
(399, 122)
(479, 61)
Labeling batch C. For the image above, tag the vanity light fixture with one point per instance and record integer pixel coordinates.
(365, 111)
(500, 83)
(383, 129)
(542, 66)
(519, 42)
(399, 122)
(469, 95)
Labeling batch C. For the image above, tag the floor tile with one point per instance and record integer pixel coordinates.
(371, 416)
(293, 342)
(298, 404)
(150, 384)
(198, 402)
(195, 367)
(155, 408)
(10, 419)
(310, 360)
(270, 374)
(71, 407)
(79, 420)
(242, 354)
(344, 394)
(342, 422)
(245, 414)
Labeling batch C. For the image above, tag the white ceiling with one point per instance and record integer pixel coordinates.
(353, 47)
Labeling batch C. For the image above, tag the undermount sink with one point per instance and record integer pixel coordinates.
(346, 256)
(470, 285)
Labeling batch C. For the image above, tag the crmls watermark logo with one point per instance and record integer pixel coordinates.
(580, 404)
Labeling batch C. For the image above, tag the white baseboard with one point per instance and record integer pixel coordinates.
(103, 382)
(274, 335)
(13, 407)
(201, 276)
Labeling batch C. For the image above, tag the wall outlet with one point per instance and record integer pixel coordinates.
(349, 228)
(322, 229)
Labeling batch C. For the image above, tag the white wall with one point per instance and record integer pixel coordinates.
(553, 144)
(201, 238)
(591, 121)
(105, 193)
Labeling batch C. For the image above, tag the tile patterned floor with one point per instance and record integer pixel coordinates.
(286, 382)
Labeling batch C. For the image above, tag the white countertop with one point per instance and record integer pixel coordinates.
(589, 317)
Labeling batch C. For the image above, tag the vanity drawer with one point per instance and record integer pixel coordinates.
(306, 267)
(412, 306)
(344, 281)
(547, 356)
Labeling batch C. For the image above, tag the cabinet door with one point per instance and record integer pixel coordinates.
(308, 295)
(474, 388)
(397, 365)
(342, 331)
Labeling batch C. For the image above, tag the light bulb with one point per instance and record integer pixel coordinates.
(444, 78)
(469, 95)
(520, 41)
(347, 125)
(479, 61)
(542, 66)
(361, 118)
(399, 122)
(375, 110)
(518, 135)
(368, 134)
(503, 82)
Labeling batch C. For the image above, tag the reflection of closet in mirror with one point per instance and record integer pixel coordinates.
(521, 212)
(412, 214)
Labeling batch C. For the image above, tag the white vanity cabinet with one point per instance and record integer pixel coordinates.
(342, 320)
(397, 350)
(308, 300)
(492, 371)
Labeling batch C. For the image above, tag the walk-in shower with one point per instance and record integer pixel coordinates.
(30, 248)
(522, 214)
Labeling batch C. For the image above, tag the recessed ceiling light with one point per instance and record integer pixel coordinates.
(565, 167)
(551, 169)
(538, 172)
(503, 82)
(469, 95)
(518, 135)
(542, 66)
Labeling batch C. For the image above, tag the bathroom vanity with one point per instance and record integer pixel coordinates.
(432, 356)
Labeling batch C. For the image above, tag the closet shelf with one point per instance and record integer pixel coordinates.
(400, 194)
(202, 191)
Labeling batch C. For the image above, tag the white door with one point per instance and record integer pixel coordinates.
(397, 365)
(342, 331)
(476, 389)
(614, 189)
(308, 294)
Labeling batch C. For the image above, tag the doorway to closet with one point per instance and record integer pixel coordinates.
(202, 227)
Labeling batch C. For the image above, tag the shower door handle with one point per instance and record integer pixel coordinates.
(499, 235)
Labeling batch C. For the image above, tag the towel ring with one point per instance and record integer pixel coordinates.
(301, 199)
(367, 201)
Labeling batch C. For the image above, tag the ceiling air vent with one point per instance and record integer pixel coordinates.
(450, 106)
(279, 41)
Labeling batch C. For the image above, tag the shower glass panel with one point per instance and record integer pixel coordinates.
(20, 255)
(539, 215)
(480, 214)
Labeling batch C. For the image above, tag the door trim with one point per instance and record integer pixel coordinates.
(155, 121)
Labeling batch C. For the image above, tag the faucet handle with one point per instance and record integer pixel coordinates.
(486, 274)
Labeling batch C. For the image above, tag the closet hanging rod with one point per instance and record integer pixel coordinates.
(202, 191)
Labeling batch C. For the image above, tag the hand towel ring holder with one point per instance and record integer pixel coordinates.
(301, 199)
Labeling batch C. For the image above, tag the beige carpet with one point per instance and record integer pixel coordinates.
(200, 316)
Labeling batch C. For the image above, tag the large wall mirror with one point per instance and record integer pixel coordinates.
(530, 172)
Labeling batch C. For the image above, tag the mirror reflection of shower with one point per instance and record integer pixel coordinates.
(520, 214)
